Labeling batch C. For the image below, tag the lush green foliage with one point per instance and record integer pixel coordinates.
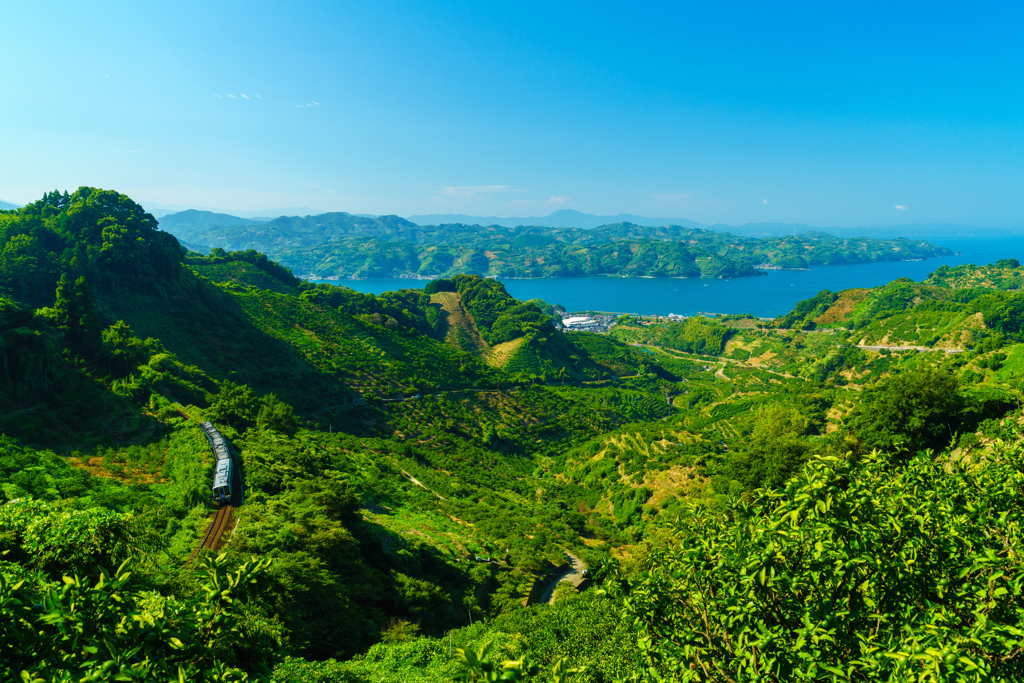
(803, 314)
(698, 335)
(112, 629)
(412, 491)
(100, 235)
(1004, 274)
(861, 569)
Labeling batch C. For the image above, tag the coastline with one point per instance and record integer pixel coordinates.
(759, 272)
(773, 293)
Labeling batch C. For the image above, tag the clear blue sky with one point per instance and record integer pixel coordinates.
(825, 113)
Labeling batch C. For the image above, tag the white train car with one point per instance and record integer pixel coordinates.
(222, 467)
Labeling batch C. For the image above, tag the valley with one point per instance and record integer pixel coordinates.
(832, 492)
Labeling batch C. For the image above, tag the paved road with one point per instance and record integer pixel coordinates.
(574, 575)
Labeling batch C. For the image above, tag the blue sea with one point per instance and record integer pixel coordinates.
(769, 296)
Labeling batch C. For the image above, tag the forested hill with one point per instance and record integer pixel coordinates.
(192, 221)
(344, 245)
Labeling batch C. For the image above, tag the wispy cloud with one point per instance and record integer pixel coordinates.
(235, 97)
(764, 201)
(901, 207)
(307, 104)
(557, 200)
(468, 191)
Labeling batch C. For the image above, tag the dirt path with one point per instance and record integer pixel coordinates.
(905, 348)
(574, 575)
(420, 484)
(461, 333)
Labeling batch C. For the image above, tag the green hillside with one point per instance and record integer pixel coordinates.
(833, 495)
(340, 244)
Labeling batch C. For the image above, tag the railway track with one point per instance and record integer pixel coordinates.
(211, 541)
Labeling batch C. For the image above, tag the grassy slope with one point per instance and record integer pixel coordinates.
(302, 351)
(461, 332)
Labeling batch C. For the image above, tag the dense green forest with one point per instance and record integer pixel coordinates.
(343, 245)
(832, 495)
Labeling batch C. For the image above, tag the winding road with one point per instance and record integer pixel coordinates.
(574, 575)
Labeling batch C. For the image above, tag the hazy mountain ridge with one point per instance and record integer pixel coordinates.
(7, 206)
(193, 219)
(563, 218)
(287, 232)
(569, 218)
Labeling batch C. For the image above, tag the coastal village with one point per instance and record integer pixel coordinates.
(594, 321)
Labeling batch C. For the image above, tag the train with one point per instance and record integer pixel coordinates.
(223, 468)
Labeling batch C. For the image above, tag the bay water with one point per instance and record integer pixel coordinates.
(768, 296)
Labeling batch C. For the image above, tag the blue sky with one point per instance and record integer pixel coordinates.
(824, 113)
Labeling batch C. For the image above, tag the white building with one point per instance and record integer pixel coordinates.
(578, 322)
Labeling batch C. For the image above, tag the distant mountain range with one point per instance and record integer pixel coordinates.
(204, 229)
(191, 220)
(5, 206)
(568, 218)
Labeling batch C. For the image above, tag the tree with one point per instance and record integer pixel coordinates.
(76, 315)
(29, 349)
(915, 409)
(236, 405)
(776, 450)
(478, 667)
(56, 538)
(111, 629)
(862, 569)
(124, 351)
(276, 415)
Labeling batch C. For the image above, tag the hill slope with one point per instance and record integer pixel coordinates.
(399, 488)
(461, 332)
